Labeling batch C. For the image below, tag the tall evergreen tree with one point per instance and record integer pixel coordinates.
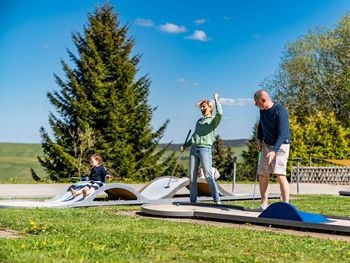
(219, 154)
(247, 168)
(101, 93)
(222, 158)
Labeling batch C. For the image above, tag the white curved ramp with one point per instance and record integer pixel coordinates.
(117, 193)
(114, 191)
(160, 190)
(66, 195)
(164, 187)
(203, 188)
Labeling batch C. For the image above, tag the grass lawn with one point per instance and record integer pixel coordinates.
(103, 235)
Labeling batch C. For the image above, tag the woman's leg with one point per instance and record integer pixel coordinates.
(193, 168)
(206, 160)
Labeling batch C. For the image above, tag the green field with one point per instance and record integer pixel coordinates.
(16, 159)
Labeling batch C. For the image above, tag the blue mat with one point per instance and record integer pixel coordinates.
(285, 211)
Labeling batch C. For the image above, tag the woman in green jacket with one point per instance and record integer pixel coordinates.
(201, 142)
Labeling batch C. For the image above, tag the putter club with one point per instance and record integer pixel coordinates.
(177, 161)
(256, 179)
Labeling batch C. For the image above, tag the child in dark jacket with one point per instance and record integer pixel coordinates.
(97, 177)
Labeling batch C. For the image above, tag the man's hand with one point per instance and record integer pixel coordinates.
(271, 156)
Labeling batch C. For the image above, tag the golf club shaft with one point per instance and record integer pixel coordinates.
(256, 178)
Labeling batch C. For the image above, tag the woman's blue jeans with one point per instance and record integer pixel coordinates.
(202, 155)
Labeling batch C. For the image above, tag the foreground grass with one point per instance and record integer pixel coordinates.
(103, 235)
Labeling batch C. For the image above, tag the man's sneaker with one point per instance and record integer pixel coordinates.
(261, 208)
(218, 203)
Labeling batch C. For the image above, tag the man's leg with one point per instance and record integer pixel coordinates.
(264, 170)
(284, 187)
(263, 184)
(280, 170)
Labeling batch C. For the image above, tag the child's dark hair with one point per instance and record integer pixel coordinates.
(97, 157)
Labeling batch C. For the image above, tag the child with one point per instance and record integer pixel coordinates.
(215, 172)
(97, 177)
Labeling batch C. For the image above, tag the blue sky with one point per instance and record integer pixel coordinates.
(190, 49)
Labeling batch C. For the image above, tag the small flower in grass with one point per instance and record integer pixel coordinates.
(58, 242)
(36, 228)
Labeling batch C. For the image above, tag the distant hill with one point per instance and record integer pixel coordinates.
(16, 159)
(232, 143)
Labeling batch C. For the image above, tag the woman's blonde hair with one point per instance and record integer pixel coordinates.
(208, 102)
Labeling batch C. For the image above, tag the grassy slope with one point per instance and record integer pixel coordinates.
(16, 159)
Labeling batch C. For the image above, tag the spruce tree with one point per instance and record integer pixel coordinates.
(219, 154)
(247, 168)
(222, 158)
(101, 94)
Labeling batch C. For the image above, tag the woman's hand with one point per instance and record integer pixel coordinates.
(216, 97)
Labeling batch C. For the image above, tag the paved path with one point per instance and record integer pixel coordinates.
(50, 190)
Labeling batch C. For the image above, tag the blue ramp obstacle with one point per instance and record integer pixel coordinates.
(285, 211)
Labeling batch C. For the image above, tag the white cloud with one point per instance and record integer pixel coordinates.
(144, 22)
(182, 80)
(200, 21)
(172, 28)
(199, 35)
(185, 83)
(236, 102)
